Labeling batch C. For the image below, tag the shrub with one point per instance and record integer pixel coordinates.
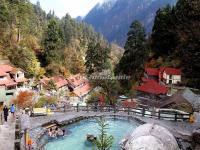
(44, 101)
(24, 99)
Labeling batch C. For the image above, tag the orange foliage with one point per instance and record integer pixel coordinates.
(24, 99)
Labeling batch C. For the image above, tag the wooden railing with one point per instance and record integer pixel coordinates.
(144, 112)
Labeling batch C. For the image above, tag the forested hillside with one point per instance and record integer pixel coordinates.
(174, 42)
(41, 43)
(175, 39)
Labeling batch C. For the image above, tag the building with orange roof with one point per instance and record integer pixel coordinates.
(11, 79)
(60, 82)
(79, 86)
(166, 75)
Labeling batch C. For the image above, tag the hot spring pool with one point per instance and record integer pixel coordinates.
(76, 140)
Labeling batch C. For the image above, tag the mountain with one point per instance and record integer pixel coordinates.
(113, 17)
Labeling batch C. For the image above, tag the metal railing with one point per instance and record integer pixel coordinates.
(143, 112)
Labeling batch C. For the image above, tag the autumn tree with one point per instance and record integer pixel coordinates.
(24, 100)
(25, 59)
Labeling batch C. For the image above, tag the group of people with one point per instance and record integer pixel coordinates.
(6, 111)
(56, 132)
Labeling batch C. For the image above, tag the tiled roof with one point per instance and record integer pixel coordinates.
(76, 80)
(7, 81)
(44, 80)
(6, 68)
(145, 79)
(152, 87)
(82, 90)
(2, 73)
(152, 71)
(15, 70)
(172, 71)
(60, 81)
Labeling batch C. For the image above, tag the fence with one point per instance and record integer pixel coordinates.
(144, 112)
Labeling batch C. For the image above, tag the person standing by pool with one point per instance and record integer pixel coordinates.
(5, 112)
(12, 110)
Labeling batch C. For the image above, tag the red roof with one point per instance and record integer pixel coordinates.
(7, 81)
(82, 90)
(6, 68)
(152, 71)
(44, 81)
(146, 79)
(2, 73)
(152, 87)
(172, 71)
(76, 80)
(60, 81)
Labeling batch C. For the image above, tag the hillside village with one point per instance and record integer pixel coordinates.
(62, 82)
(159, 87)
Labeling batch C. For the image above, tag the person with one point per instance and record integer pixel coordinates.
(5, 111)
(30, 143)
(60, 132)
(12, 110)
(50, 132)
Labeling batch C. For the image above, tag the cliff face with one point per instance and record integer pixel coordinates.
(113, 17)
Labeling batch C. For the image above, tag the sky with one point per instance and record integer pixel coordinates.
(73, 7)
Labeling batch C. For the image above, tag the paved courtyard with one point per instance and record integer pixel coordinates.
(7, 134)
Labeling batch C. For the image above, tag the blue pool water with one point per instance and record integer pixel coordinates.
(76, 140)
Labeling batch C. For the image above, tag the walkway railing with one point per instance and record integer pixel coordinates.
(144, 112)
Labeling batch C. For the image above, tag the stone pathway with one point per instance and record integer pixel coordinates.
(7, 134)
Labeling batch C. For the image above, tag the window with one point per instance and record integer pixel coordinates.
(9, 94)
(170, 81)
(11, 88)
(1, 77)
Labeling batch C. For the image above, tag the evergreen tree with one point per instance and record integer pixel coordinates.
(52, 42)
(188, 30)
(68, 29)
(97, 58)
(132, 61)
(176, 32)
(104, 141)
(4, 13)
(164, 39)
